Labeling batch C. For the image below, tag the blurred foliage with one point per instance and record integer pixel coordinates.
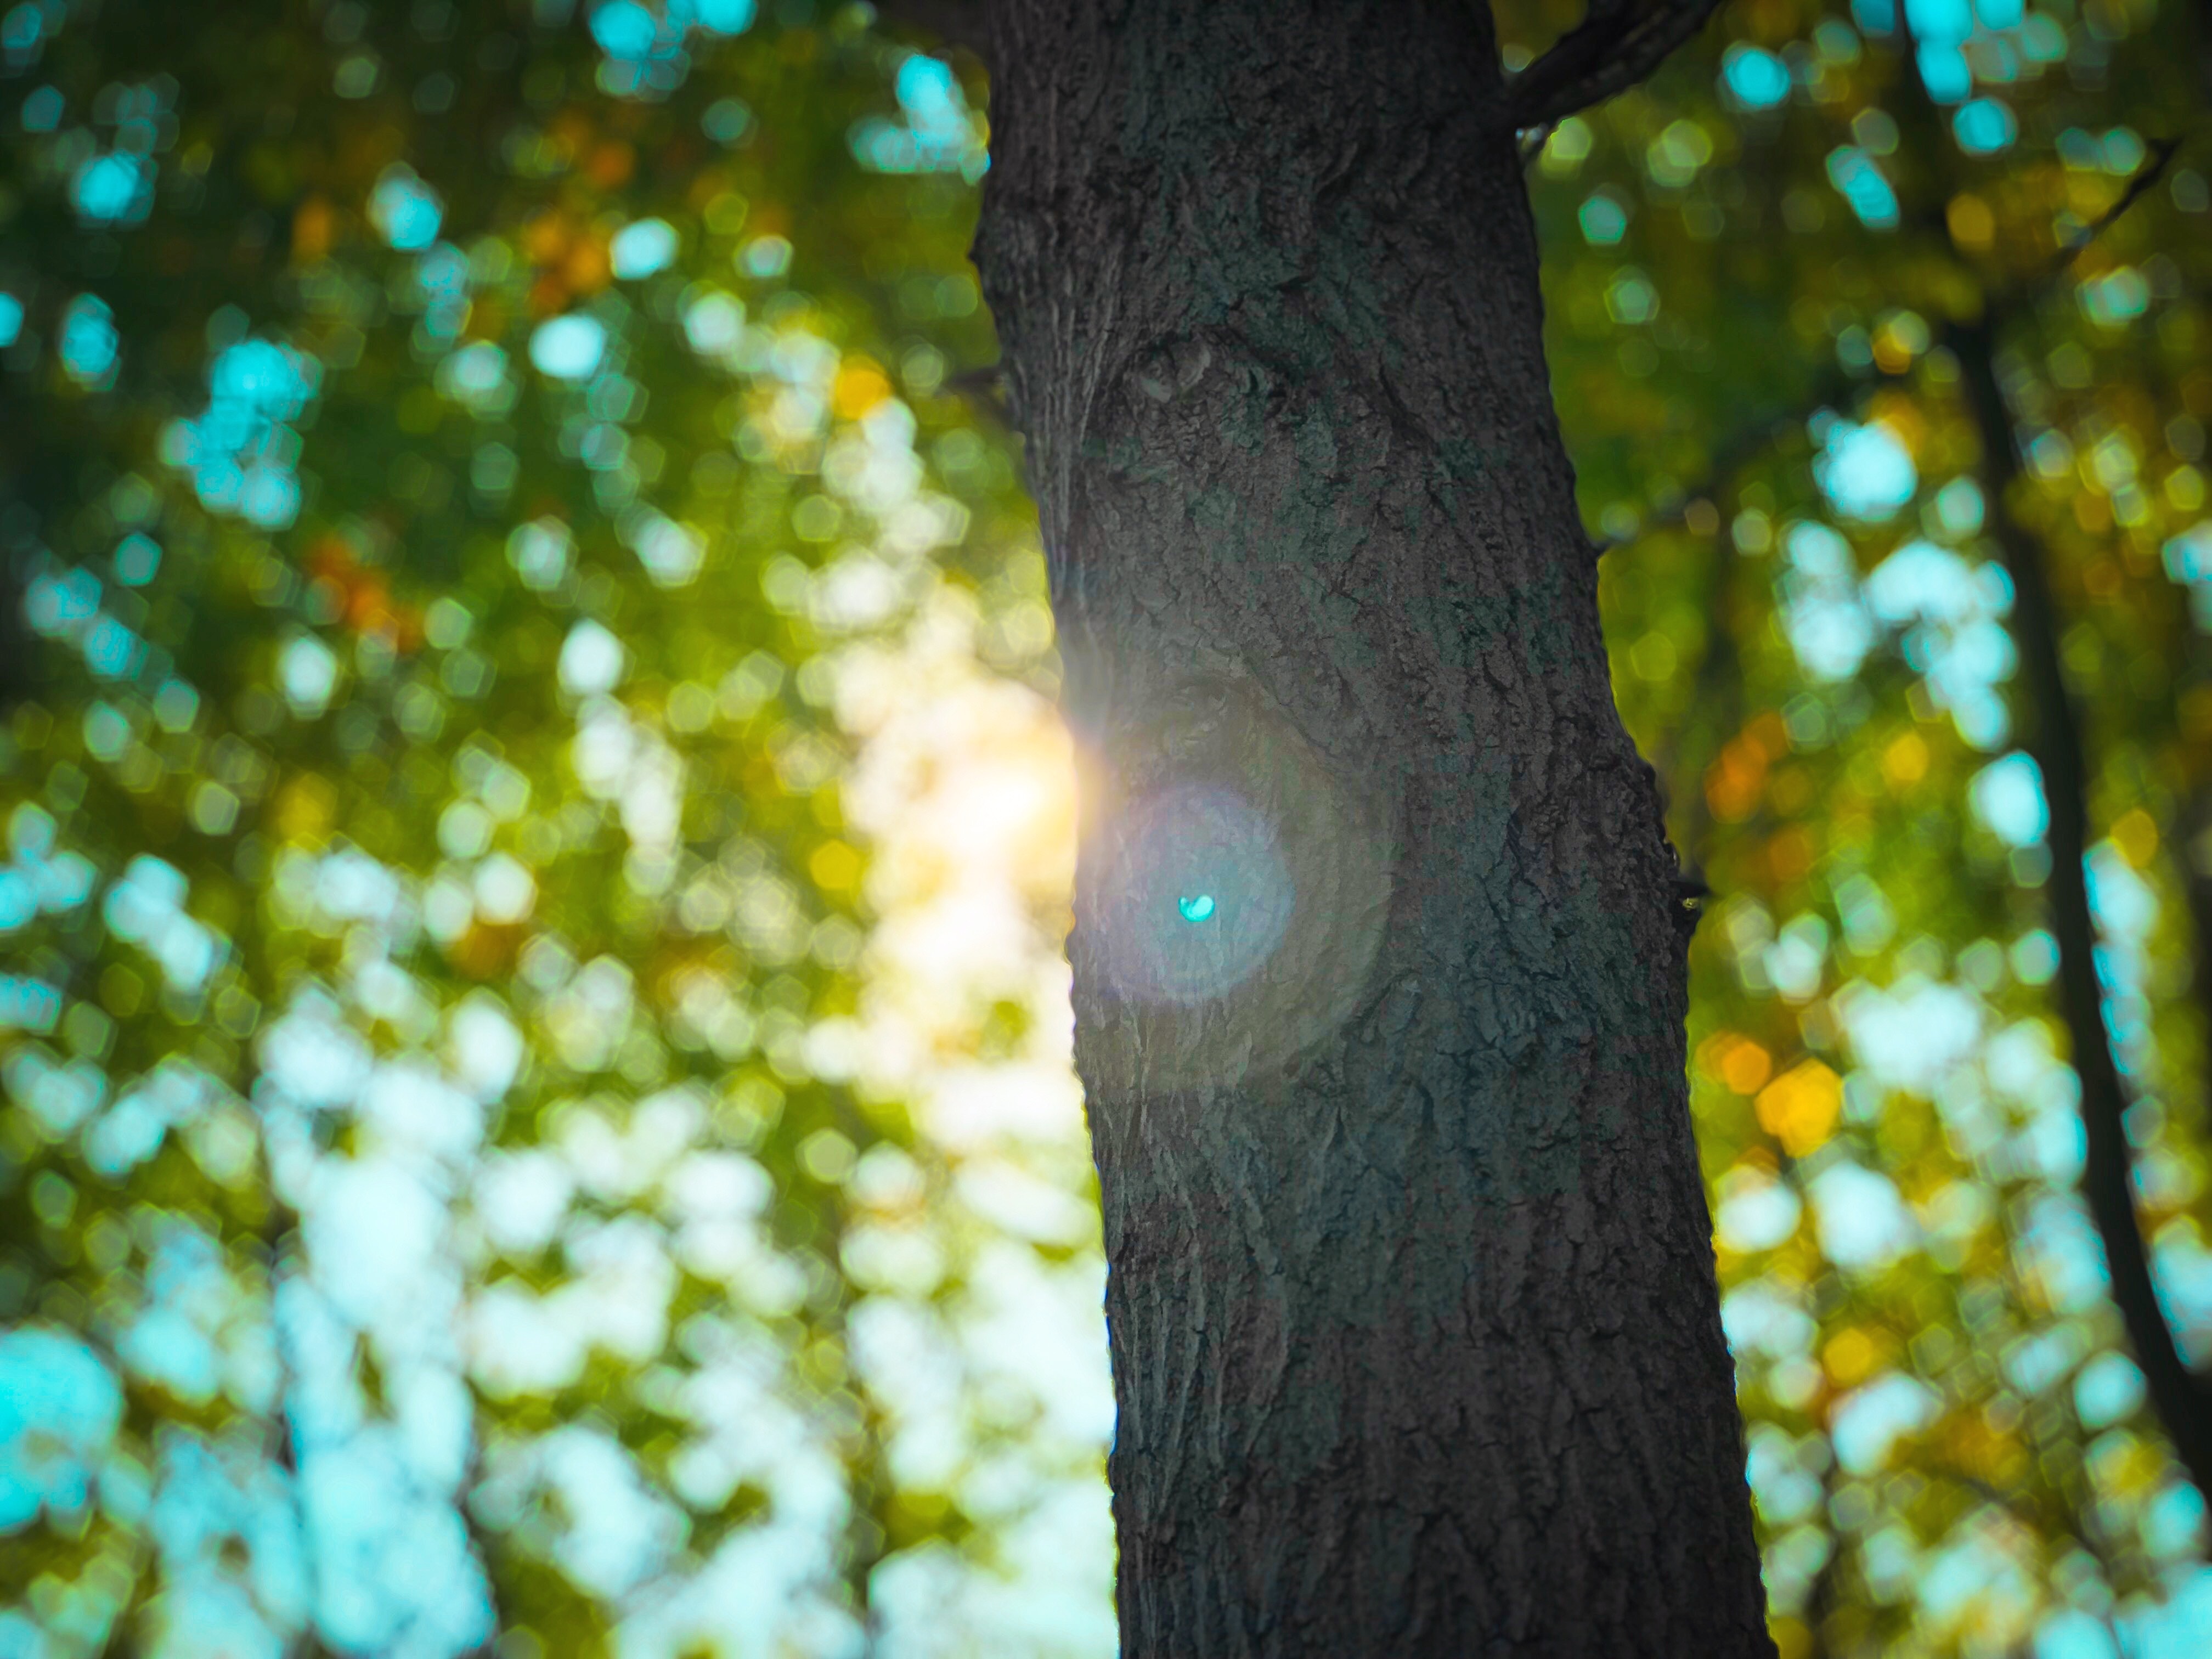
(531, 1102)
(1753, 265)
(535, 1054)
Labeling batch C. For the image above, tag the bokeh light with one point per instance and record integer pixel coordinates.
(535, 1037)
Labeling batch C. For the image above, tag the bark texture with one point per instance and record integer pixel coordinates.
(1379, 964)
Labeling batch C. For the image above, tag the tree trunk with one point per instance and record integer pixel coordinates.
(1378, 957)
(2053, 738)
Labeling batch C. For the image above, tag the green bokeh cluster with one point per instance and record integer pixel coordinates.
(487, 491)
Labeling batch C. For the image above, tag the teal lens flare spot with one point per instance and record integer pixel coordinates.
(1196, 897)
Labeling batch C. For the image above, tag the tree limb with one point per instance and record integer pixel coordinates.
(1612, 48)
(2162, 153)
(963, 23)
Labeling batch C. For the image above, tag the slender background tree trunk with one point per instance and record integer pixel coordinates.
(1379, 962)
(2053, 736)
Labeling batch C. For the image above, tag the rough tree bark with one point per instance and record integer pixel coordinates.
(1378, 951)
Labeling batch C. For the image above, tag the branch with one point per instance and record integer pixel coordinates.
(2162, 153)
(1616, 46)
(963, 23)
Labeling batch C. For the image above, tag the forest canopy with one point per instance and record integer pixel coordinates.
(536, 1046)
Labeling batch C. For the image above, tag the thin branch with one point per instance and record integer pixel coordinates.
(1835, 384)
(2163, 151)
(962, 23)
(1616, 46)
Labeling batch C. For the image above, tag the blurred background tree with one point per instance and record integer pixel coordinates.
(1880, 339)
(538, 1108)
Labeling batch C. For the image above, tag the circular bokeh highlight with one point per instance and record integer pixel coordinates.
(1197, 897)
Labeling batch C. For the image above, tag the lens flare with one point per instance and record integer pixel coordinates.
(1198, 899)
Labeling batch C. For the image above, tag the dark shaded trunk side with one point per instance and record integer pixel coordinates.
(1379, 968)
